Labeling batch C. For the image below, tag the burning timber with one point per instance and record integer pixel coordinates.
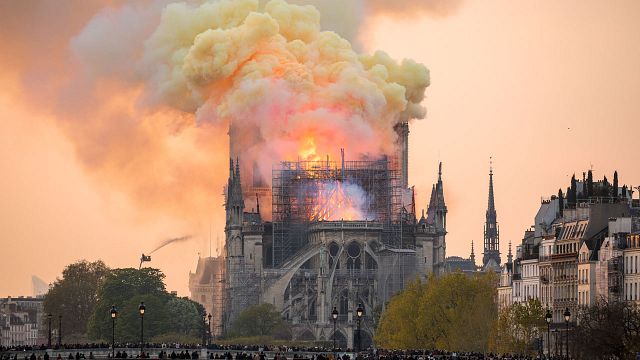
(341, 233)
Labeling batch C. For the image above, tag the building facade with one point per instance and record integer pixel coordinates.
(335, 235)
(631, 256)
(206, 286)
(582, 249)
(21, 321)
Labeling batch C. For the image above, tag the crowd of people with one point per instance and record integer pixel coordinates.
(237, 352)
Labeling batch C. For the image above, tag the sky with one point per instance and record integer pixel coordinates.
(545, 88)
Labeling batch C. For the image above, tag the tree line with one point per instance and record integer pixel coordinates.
(450, 312)
(456, 312)
(86, 292)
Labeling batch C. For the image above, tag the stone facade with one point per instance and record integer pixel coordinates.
(631, 256)
(337, 264)
(21, 321)
(207, 288)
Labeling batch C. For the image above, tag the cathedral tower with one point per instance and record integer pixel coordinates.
(437, 219)
(491, 255)
(234, 207)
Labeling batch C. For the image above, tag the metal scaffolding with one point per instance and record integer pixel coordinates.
(299, 188)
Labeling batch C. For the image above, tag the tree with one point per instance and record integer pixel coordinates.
(185, 317)
(398, 327)
(75, 295)
(606, 188)
(590, 183)
(615, 185)
(166, 316)
(258, 320)
(518, 328)
(606, 330)
(451, 312)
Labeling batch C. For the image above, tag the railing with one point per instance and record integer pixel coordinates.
(338, 225)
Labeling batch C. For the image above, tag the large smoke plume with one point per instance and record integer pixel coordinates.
(151, 88)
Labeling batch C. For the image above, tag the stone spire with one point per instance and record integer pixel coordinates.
(437, 210)
(509, 255)
(472, 257)
(234, 202)
(491, 230)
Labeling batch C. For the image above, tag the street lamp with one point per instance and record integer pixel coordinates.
(209, 317)
(204, 329)
(141, 310)
(114, 315)
(334, 316)
(49, 316)
(567, 317)
(548, 318)
(359, 312)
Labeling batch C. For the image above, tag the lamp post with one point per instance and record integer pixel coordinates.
(59, 331)
(567, 317)
(334, 316)
(359, 312)
(209, 338)
(204, 329)
(141, 310)
(49, 343)
(114, 315)
(548, 318)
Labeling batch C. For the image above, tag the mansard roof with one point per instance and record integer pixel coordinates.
(455, 263)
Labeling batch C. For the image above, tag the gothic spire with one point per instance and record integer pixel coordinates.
(472, 257)
(491, 207)
(234, 189)
(509, 256)
(491, 231)
(437, 210)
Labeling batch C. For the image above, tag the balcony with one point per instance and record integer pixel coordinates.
(573, 256)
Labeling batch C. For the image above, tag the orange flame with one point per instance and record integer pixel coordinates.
(335, 203)
(308, 150)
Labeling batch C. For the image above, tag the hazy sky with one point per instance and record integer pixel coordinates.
(547, 88)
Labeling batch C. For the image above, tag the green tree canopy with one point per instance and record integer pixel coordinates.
(166, 315)
(75, 295)
(259, 320)
(450, 312)
(518, 328)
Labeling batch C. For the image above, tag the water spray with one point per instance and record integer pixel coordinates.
(147, 258)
